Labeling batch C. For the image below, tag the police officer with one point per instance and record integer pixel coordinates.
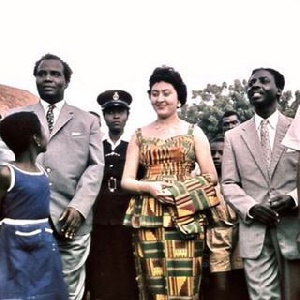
(111, 269)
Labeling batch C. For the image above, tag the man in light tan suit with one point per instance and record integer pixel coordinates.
(263, 192)
(74, 162)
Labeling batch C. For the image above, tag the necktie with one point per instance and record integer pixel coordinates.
(265, 141)
(50, 117)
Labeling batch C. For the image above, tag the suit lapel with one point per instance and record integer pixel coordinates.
(250, 137)
(66, 114)
(278, 148)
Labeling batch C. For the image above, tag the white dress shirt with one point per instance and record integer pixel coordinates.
(272, 125)
(56, 109)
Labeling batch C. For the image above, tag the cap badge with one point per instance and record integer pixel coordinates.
(116, 96)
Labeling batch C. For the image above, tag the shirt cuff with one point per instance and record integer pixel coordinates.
(294, 195)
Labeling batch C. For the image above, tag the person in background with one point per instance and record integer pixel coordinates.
(227, 278)
(30, 264)
(259, 181)
(74, 163)
(229, 120)
(167, 212)
(111, 269)
(292, 141)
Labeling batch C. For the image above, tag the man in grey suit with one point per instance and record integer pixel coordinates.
(261, 187)
(74, 162)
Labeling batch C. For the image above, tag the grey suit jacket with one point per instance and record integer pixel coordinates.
(246, 182)
(74, 161)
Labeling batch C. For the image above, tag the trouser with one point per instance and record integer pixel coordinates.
(270, 275)
(74, 253)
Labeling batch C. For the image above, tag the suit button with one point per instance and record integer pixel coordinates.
(48, 170)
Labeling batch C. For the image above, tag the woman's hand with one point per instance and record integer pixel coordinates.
(158, 188)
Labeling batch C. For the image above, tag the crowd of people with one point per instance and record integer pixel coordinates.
(167, 215)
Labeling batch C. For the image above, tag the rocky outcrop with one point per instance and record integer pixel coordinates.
(11, 97)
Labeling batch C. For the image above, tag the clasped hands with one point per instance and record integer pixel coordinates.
(70, 221)
(270, 215)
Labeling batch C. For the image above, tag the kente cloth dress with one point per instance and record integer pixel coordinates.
(30, 265)
(168, 265)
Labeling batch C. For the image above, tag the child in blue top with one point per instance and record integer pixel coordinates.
(30, 265)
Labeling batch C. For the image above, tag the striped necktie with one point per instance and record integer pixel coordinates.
(50, 116)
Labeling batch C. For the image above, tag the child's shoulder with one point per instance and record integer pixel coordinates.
(5, 176)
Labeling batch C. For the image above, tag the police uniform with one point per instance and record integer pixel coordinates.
(111, 268)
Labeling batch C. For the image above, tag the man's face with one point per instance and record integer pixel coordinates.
(50, 81)
(230, 122)
(262, 90)
(216, 150)
(115, 118)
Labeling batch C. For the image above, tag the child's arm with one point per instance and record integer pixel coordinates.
(5, 179)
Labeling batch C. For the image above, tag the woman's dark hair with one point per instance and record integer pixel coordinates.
(67, 70)
(169, 75)
(17, 130)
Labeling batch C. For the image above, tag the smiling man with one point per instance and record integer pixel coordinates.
(259, 181)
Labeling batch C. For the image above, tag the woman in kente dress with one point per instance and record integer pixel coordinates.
(168, 210)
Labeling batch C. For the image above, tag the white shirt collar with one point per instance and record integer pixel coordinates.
(113, 145)
(273, 120)
(58, 105)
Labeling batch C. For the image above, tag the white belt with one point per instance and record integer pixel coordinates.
(9, 221)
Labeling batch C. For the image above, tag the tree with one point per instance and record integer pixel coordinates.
(210, 104)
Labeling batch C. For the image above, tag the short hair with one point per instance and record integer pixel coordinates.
(17, 130)
(229, 113)
(217, 139)
(67, 70)
(169, 75)
(278, 77)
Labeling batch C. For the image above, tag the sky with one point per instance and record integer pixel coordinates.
(116, 44)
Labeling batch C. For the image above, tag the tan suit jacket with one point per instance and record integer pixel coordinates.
(246, 182)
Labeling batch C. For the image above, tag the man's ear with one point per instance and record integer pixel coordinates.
(279, 93)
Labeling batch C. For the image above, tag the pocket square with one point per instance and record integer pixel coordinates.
(290, 150)
(75, 133)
